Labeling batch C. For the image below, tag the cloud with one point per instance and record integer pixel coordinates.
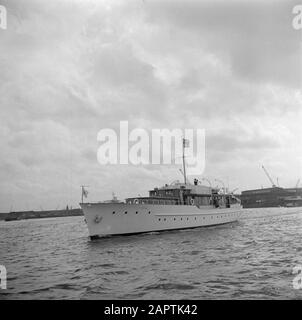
(71, 68)
(255, 37)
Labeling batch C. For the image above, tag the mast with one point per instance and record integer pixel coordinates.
(183, 160)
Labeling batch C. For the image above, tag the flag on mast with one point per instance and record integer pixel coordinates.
(186, 143)
(85, 192)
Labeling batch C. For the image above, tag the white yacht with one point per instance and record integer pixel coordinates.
(171, 207)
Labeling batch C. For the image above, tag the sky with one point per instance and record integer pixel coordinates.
(70, 68)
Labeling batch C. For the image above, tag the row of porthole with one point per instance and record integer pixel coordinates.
(149, 212)
(159, 219)
(126, 212)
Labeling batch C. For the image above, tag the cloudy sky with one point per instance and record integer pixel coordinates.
(70, 68)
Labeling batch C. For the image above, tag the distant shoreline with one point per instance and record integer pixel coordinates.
(25, 215)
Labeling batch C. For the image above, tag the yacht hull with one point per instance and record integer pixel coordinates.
(106, 219)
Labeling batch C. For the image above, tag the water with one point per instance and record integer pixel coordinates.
(249, 259)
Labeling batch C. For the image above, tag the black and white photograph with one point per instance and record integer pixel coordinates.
(151, 150)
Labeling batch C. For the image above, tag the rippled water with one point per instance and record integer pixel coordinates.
(249, 259)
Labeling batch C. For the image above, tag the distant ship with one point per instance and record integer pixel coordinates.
(171, 207)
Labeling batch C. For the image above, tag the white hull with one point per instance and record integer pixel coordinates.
(104, 219)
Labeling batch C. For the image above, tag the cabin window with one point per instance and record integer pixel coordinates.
(149, 212)
(136, 212)
(126, 212)
(165, 219)
(159, 219)
(113, 212)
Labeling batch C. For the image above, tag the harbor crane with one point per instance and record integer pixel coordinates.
(270, 179)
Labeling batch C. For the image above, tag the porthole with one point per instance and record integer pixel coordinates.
(159, 219)
(149, 212)
(180, 218)
(126, 212)
(165, 219)
(174, 219)
(187, 218)
(113, 212)
(136, 212)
